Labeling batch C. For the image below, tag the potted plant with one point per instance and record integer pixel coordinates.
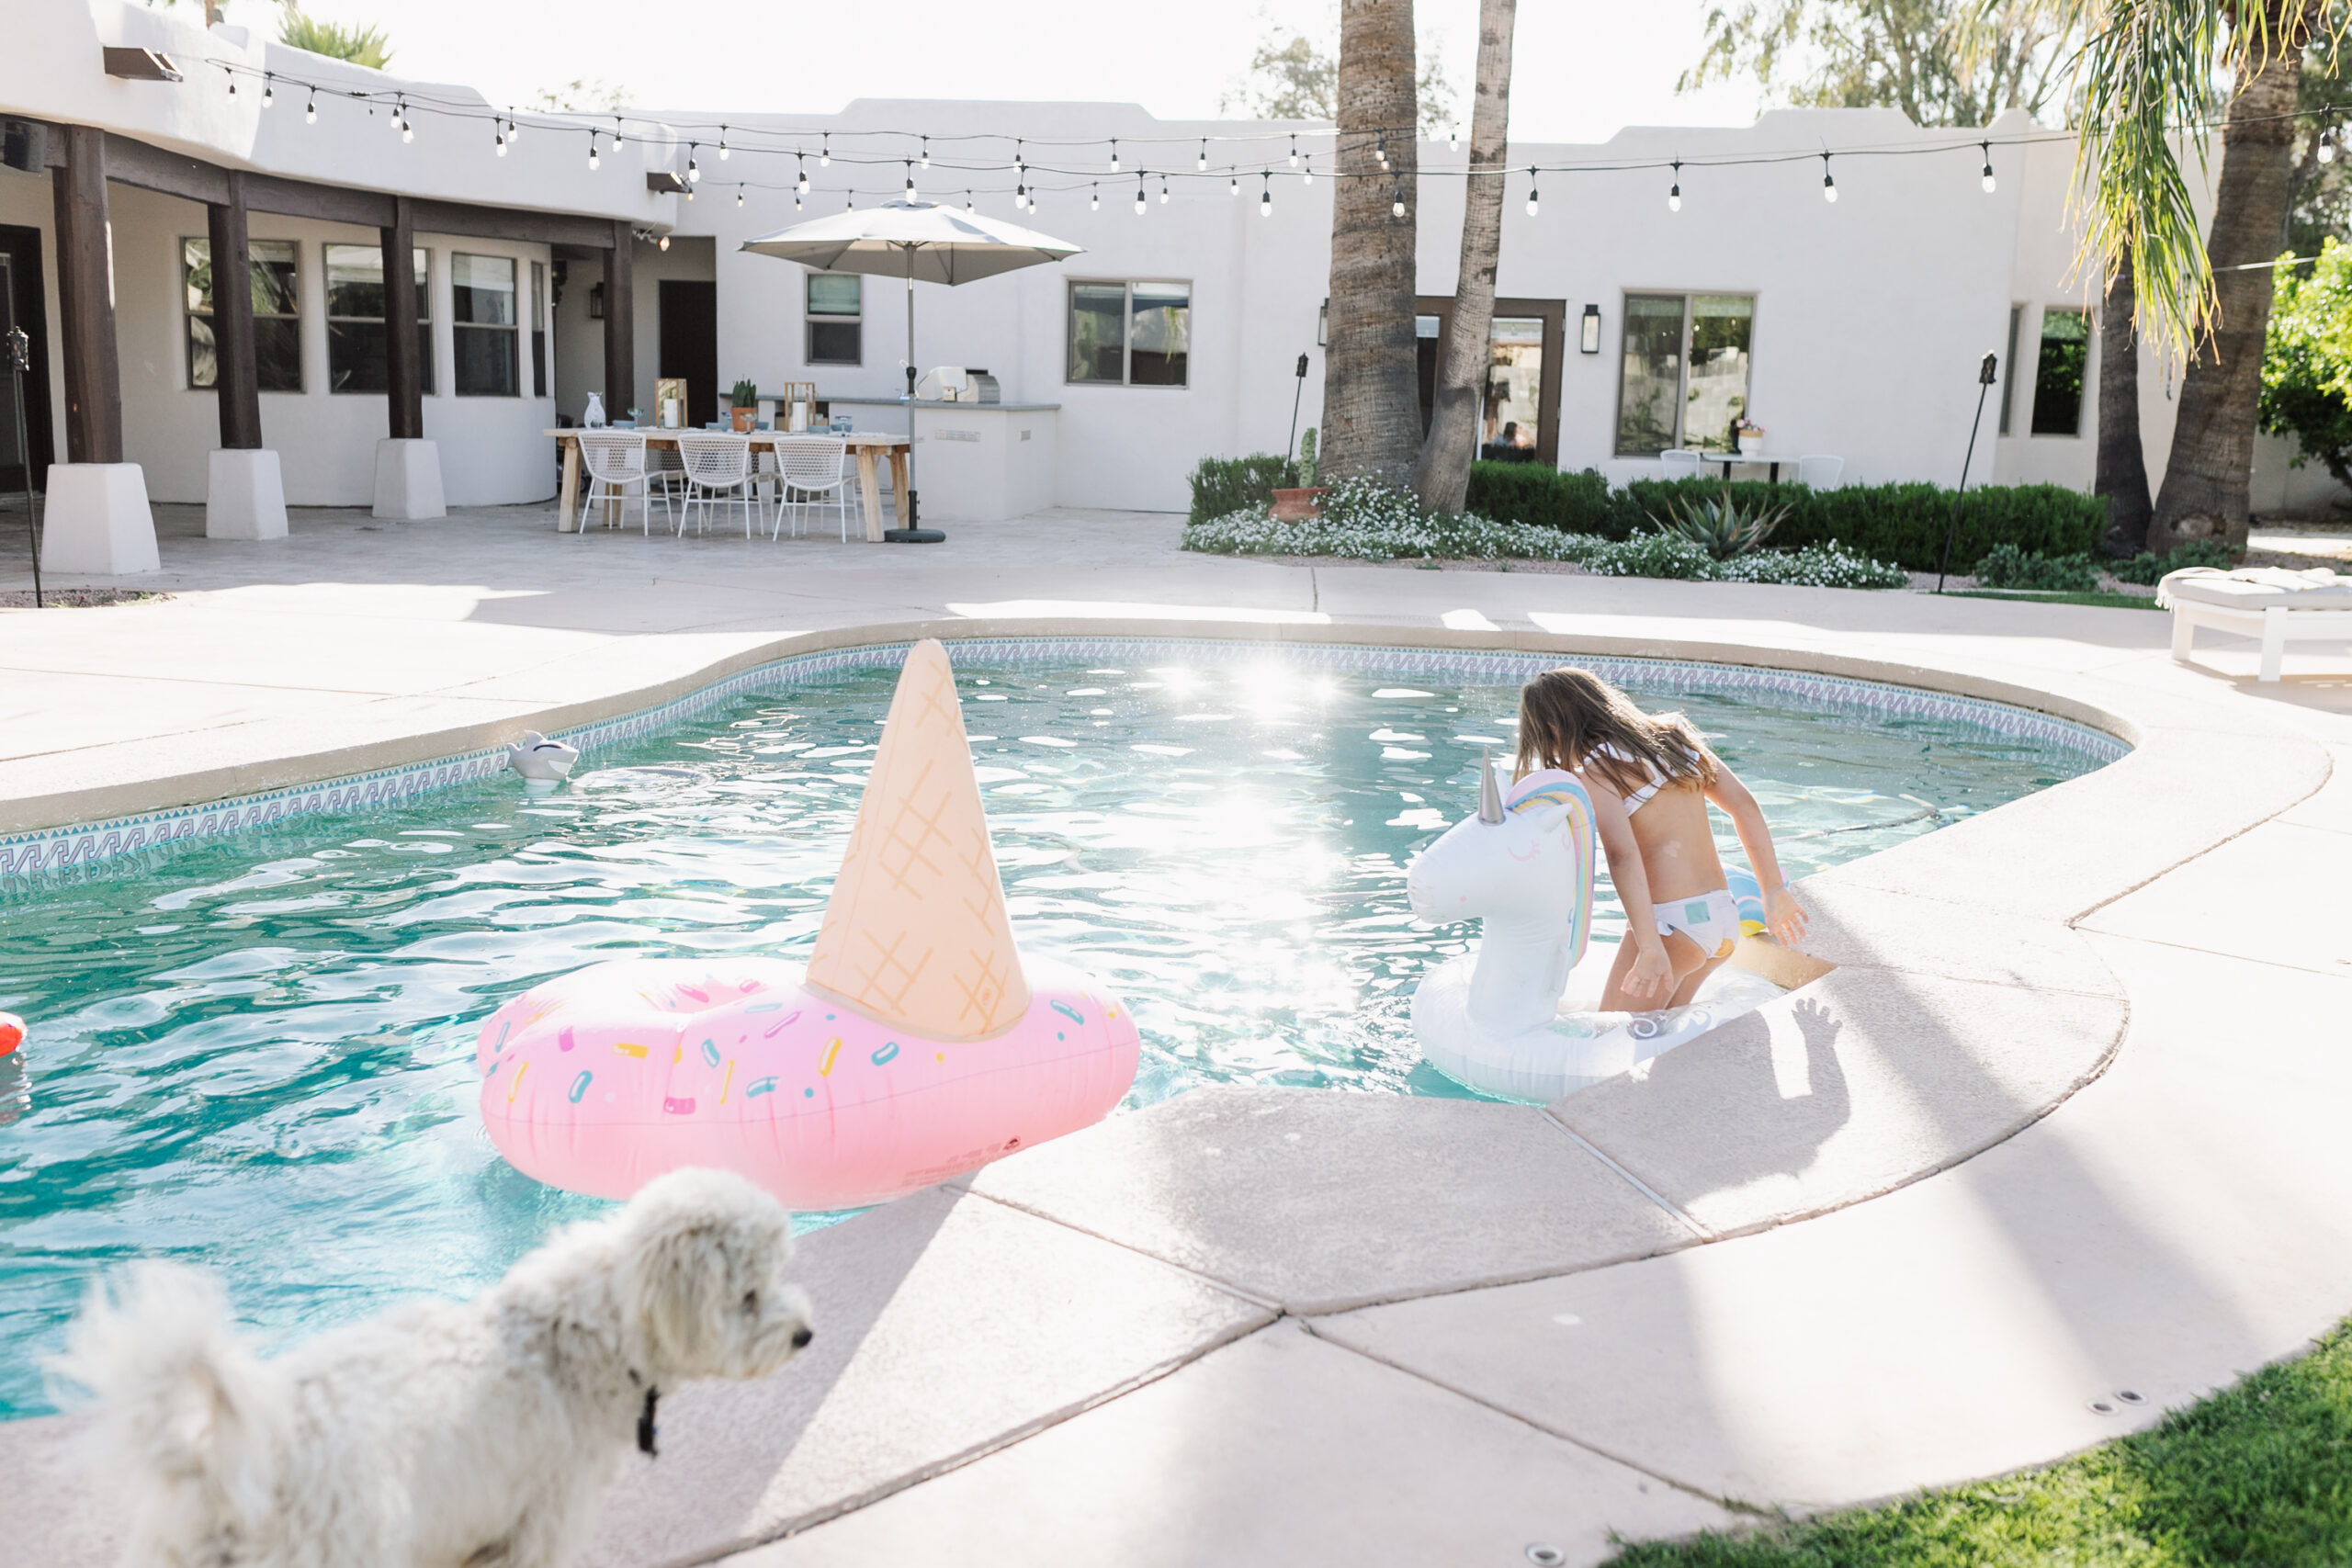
(1749, 436)
(1297, 503)
(743, 402)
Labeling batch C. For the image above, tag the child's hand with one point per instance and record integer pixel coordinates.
(1783, 917)
(1652, 972)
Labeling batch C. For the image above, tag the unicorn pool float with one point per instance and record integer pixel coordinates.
(1518, 1016)
(917, 1044)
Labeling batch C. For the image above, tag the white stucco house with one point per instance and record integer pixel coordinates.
(138, 143)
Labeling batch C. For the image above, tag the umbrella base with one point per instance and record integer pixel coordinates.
(914, 537)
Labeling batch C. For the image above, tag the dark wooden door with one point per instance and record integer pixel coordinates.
(690, 343)
(22, 305)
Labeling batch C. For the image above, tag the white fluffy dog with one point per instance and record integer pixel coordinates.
(474, 1435)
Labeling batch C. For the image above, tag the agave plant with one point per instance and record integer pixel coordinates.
(1722, 527)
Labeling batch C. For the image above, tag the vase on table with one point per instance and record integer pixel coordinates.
(593, 419)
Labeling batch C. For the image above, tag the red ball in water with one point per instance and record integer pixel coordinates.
(12, 1032)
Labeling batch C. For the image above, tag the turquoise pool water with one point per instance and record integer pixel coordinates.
(255, 1053)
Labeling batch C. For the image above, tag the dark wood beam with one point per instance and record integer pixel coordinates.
(85, 300)
(328, 204)
(236, 375)
(133, 163)
(511, 223)
(620, 325)
(404, 376)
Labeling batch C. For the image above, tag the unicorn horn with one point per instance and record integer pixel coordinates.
(915, 934)
(1490, 794)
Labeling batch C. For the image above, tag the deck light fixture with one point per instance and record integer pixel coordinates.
(1828, 180)
(595, 159)
(1990, 185)
(311, 109)
(1674, 196)
(926, 152)
(825, 151)
(1204, 153)
(1233, 184)
(1588, 340)
(722, 144)
(1115, 154)
(1266, 194)
(694, 167)
(802, 188)
(1140, 206)
(1396, 205)
(1531, 190)
(1164, 190)
(2326, 149)
(268, 90)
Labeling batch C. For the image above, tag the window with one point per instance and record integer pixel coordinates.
(1131, 335)
(2058, 375)
(484, 324)
(2009, 368)
(836, 311)
(1683, 381)
(356, 320)
(1511, 421)
(277, 333)
(539, 387)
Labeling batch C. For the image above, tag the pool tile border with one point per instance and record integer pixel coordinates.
(84, 845)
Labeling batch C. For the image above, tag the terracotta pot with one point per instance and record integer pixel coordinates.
(744, 419)
(1298, 506)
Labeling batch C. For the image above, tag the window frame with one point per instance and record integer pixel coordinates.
(2083, 392)
(425, 368)
(190, 315)
(540, 380)
(1127, 286)
(1681, 440)
(511, 329)
(811, 318)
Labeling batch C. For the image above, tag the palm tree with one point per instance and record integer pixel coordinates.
(1453, 435)
(1372, 406)
(2122, 465)
(2146, 72)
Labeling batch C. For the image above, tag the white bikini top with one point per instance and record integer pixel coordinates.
(1640, 797)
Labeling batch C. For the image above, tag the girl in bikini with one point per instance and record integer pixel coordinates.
(1651, 779)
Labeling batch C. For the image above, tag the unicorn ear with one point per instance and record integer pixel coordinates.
(1490, 794)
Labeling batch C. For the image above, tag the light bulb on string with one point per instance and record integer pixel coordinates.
(926, 152)
(618, 127)
(594, 160)
(1396, 206)
(399, 112)
(1204, 153)
(722, 144)
(268, 90)
(498, 140)
(311, 109)
(1266, 194)
(1115, 154)
(1990, 184)
(1381, 150)
(967, 201)
(1164, 190)
(825, 151)
(408, 131)
(739, 198)
(232, 80)
(795, 201)
(664, 243)
(1020, 166)
(910, 182)
(802, 165)
(1828, 180)
(1306, 175)
(1232, 185)
(849, 201)
(1293, 151)
(514, 130)
(1674, 196)
(1094, 202)
(1139, 204)
(1531, 190)
(2327, 150)
(694, 166)
(1020, 198)
(1453, 139)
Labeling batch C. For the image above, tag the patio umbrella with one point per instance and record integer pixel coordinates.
(916, 240)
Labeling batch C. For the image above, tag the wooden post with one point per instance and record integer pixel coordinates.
(403, 373)
(236, 376)
(620, 325)
(85, 300)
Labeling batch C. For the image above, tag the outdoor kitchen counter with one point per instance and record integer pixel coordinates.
(973, 462)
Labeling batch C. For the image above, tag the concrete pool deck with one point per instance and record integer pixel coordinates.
(2066, 1124)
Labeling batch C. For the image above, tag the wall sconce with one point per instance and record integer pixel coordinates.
(1589, 342)
(596, 301)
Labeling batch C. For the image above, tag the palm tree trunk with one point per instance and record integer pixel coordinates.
(1372, 404)
(2122, 465)
(2208, 480)
(1453, 438)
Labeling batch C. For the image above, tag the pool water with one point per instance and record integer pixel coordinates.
(257, 1053)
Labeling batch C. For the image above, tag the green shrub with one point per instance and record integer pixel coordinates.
(1380, 532)
(2006, 566)
(1653, 554)
(1720, 526)
(1530, 492)
(1900, 523)
(1815, 566)
(2147, 568)
(1222, 486)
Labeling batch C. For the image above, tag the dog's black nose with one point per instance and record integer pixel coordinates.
(800, 1338)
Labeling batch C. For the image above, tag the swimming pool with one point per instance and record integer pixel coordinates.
(255, 1052)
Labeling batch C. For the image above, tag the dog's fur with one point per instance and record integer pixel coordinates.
(474, 1435)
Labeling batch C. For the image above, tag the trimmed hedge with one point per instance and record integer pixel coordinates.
(1900, 523)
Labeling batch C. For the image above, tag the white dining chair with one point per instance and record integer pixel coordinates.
(666, 476)
(615, 463)
(815, 469)
(1680, 463)
(719, 468)
(1818, 471)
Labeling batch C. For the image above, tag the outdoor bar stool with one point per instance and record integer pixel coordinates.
(614, 460)
(815, 468)
(719, 467)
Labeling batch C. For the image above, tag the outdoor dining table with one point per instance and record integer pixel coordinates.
(868, 447)
(1770, 461)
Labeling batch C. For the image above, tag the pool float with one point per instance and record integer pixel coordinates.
(12, 1032)
(540, 760)
(918, 1043)
(1518, 1016)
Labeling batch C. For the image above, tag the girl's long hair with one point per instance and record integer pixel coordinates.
(1574, 720)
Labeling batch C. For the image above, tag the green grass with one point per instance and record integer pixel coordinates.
(2261, 1473)
(2100, 601)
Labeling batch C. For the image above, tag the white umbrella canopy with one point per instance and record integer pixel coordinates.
(921, 240)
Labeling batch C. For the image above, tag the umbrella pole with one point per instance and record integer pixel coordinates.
(912, 520)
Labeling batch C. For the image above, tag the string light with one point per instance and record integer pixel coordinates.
(1828, 180)
(1674, 196)
(1453, 139)
(1020, 166)
(408, 131)
(499, 139)
(663, 243)
(825, 150)
(268, 90)
(1306, 175)
(795, 201)
(618, 131)
(1115, 154)
(1140, 206)
(399, 112)
(514, 130)
(1396, 206)
(593, 161)
(1164, 190)
(910, 182)
(722, 144)
(802, 188)
(967, 201)
(1020, 198)
(1266, 194)
(311, 109)
(1232, 185)
(1204, 153)
(2326, 146)
(232, 80)
(1380, 151)
(1094, 203)
(739, 198)
(694, 168)
(1293, 151)
(1531, 190)
(1990, 185)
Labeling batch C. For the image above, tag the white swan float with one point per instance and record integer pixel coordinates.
(1518, 1016)
(540, 760)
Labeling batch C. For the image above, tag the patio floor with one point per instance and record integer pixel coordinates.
(2065, 1125)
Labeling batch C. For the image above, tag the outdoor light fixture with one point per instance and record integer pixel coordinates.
(1990, 184)
(1293, 151)
(408, 131)
(596, 302)
(694, 167)
(1020, 198)
(2326, 146)
(1674, 196)
(594, 160)
(499, 139)
(664, 243)
(825, 151)
(1115, 154)
(311, 109)
(268, 90)
(1139, 207)
(1205, 152)
(514, 132)
(1828, 180)
(1018, 165)
(1233, 184)
(1164, 190)
(802, 188)
(910, 182)
(1094, 202)
(1531, 190)
(1380, 151)
(926, 152)
(739, 196)
(722, 144)
(400, 113)
(619, 125)
(1396, 206)
(1266, 195)
(1589, 341)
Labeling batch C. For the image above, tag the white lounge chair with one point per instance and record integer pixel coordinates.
(1680, 463)
(2274, 604)
(1815, 471)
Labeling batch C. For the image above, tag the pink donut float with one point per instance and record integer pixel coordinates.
(916, 1044)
